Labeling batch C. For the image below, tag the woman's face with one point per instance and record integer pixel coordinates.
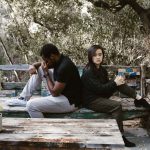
(97, 57)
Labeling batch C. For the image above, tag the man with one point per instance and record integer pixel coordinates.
(63, 84)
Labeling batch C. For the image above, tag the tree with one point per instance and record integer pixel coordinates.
(143, 13)
(64, 23)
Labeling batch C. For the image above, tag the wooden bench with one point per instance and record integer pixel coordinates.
(63, 134)
(129, 110)
(24, 67)
(12, 89)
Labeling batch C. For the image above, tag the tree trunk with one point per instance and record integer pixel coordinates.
(8, 58)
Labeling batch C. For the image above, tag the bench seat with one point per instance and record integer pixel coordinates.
(129, 111)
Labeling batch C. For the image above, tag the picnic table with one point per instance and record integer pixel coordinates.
(73, 134)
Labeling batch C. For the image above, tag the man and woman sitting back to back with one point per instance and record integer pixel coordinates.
(67, 89)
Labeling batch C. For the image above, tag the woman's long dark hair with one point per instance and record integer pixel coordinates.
(91, 53)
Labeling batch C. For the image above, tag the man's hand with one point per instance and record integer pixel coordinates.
(32, 70)
(119, 80)
(44, 66)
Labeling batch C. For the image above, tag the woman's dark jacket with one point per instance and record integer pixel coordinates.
(96, 84)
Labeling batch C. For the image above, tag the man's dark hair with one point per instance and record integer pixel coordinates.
(48, 49)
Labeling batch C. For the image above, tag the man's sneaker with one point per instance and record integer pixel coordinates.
(141, 103)
(17, 102)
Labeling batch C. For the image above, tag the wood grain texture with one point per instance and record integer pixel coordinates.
(61, 133)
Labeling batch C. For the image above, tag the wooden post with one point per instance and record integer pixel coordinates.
(143, 83)
(0, 82)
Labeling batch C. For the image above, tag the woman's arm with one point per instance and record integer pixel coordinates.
(98, 88)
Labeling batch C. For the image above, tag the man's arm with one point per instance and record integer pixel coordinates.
(36, 65)
(55, 88)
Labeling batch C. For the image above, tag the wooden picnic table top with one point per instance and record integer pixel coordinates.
(60, 133)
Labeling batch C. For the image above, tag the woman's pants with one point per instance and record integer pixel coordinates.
(106, 105)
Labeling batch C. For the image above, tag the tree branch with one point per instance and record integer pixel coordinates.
(41, 24)
(100, 3)
(8, 57)
(120, 5)
(144, 14)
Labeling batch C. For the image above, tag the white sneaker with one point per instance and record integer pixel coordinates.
(17, 102)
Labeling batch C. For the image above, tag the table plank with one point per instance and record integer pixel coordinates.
(61, 133)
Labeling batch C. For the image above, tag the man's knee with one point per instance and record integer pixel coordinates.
(30, 105)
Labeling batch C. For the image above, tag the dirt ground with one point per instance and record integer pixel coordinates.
(135, 133)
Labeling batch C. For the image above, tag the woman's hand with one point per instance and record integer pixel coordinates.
(119, 80)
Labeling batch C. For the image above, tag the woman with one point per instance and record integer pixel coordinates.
(97, 89)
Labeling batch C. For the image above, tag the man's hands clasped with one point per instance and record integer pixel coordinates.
(33, 70)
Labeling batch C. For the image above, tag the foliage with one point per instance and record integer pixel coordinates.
(73, 30)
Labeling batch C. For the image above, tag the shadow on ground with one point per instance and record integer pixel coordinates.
(135, 133)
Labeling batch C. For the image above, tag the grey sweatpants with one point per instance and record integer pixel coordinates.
(49, 104)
